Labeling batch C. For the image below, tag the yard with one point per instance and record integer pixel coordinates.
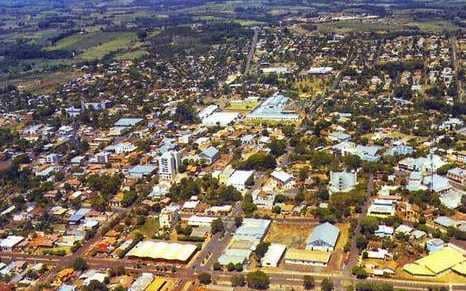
(149, 228)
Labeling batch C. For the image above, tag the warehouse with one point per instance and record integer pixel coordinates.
(307, 257)
(273, 255)
(437, 263)
(161, 250)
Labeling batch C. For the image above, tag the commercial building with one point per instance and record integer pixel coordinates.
(307, 257)
(220, 119)
(161, 250)
(437, 262)
(323, 238)
(273, 255)
(273, 109)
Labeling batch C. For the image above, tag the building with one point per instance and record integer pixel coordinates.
(140, 171)
(382, 208)
(163, 251)
(196, 220)
(220, 119)
(283, 179)
(142, 282)
(307, 257)
(209, 155)
(273, 109)
(273, 255)
(241, 179)
(169, 216)
(435, 244)
(342, 182)
(323, 238)
(384, 231)
(457, 175)
(11, 241)
(169, 163)
(439, 262)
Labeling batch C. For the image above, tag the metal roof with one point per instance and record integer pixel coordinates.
(325, 232)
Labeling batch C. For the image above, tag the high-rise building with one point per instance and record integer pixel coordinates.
(169, 163)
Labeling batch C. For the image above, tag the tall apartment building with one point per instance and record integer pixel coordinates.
(169, 163)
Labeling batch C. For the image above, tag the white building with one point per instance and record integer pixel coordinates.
(169, 164)
(239, 179)
(342, 182)
(273, 255)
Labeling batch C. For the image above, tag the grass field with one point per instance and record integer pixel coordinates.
(82, 41)
(241, 105)
(132, 55)
(291, 235)
(123, 41)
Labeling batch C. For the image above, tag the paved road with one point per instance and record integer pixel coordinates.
(252, 50)
(353, 258)
(456, 66)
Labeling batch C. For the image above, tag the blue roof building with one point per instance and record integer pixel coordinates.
(78, 215)
(140, 171)
(209, 155)
(323, 238)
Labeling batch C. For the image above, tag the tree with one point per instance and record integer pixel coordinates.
(238, 221)
(261, 249)
(217, 266)
(361, 242)
(258, 280)
(277, 147)
(326, 285)
(248, 205)
(217, 226)
(359, 272)
(238, 280)
(309, 282)
(230, 267)
(79, 264)
(372, 286)
(205, 278)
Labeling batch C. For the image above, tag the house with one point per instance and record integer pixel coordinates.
(209, 155)
(435, 244)
(342, 182)
(240, 179)
(452, 198)
(457, 175)
(169, 216)
(445, 221)
(379, 254)
(263, 199)
(283, 179)
(384, 231)
(196, 220)
(339, 136)
(53, 158)
(403, 229)
(78, 216)
(451, 124)
(323, 238)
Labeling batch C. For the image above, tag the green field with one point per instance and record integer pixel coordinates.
(83, 41)
(242, 105)
(123, 41)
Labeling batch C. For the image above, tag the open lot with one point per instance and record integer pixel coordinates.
(292, 235)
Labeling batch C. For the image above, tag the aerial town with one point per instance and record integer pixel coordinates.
(267, 156)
